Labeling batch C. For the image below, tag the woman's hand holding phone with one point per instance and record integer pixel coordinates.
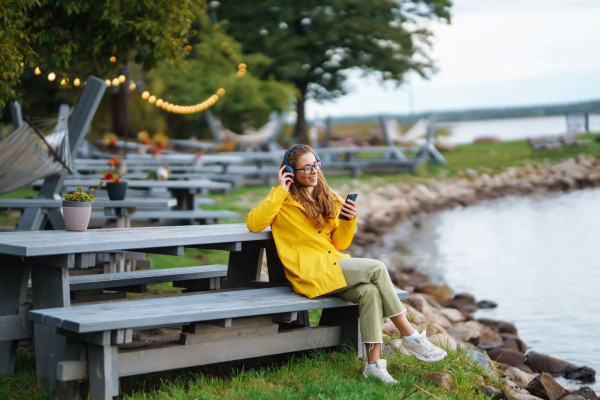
(348, 209)
(285, 179)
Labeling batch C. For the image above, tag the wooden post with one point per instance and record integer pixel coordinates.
(50, 288)
(13, 287)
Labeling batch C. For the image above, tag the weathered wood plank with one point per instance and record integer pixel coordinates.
(173, 357)
(45, 243)
(182, 309)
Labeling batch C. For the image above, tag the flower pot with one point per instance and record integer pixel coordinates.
(77, 215)
(116, 191)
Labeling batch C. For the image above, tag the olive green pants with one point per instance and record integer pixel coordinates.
(370, 287)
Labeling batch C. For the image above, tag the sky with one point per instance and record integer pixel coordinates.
(493, 54)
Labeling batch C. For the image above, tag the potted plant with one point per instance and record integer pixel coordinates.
(77, 208)
(114, 185)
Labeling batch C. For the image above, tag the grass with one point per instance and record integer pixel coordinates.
(318, 374)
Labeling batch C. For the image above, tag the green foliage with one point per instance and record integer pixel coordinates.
(78, 37)
(210, 66)
(313, 44)
(80, 196)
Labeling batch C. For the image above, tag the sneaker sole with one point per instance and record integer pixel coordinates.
(419, 357)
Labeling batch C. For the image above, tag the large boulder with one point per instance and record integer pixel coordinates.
(544, 363)
(463, 333)
(501, 326)
(518, 376)
(546, 387)
(507, 356)
(441, 293)
(453, 315)
(489, 338)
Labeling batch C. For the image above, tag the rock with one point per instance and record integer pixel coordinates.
(546, 387)
(489, 338)
(514, 343)
(507, 356)
(440, 379)
(415, 316)
(584, 374)
(544, 363)
(521, 378)
(453, 315)
(390, 329)
(432, 328)
(441, 293)
(444, 340)
(494, 393)
(418, 301)
(480, 358)
(502, 326)
(463, 333)
(439, 319)
(391, 347)
(583, 393)
(572, 397)
(523, 396)
(484, 304)
(465, 305)
(514, 387)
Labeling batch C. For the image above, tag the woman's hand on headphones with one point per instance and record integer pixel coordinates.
(285, 179)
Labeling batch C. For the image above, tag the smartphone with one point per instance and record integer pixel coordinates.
(351, 196)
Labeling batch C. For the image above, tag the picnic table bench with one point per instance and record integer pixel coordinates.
(246, 318)
(218, 327)
(196, 278)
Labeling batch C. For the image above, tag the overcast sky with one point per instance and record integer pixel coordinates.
(494, 53)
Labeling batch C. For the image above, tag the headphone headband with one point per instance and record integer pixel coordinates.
(289, 168)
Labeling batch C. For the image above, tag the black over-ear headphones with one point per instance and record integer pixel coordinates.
(289, 168)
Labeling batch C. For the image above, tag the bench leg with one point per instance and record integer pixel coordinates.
(13, 287)
(50, 288)
(347, 318)
(103, 371)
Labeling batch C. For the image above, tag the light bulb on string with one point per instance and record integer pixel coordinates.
(37, 71)
(51, 76)
(107, 82)
(76, 82)
(151, 99)
(122, 78)
(115, 82)
(145, 95)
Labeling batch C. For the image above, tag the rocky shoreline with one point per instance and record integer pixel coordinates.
(495, 345)
(448, 317)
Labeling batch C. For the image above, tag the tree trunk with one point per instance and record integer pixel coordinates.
(300, 130)
(120, 108)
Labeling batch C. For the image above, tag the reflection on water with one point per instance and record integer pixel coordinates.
(537, 257)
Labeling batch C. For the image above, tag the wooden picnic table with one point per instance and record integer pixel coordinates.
(186, 192)
(49, 255)
(121, 209)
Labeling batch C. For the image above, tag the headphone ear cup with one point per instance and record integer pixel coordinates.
(291, 171)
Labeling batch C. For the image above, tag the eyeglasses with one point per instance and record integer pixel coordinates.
(309, 169)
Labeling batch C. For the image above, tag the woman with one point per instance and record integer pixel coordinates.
(303, 214)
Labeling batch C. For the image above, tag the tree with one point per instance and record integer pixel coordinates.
(212, 64)
(77, 38)
(313, 43)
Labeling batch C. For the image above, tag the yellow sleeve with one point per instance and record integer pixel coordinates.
(265, 212)
(344, 230)
(343, 235)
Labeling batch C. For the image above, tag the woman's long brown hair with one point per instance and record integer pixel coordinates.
(320, 205)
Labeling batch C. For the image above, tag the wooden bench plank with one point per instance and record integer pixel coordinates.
(179, 310)
(144, 277)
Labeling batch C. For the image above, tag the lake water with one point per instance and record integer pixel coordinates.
(538, 257)
(513, 128)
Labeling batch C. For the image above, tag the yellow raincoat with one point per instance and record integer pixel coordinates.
(308, 253)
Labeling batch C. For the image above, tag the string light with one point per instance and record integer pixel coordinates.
(158, 102)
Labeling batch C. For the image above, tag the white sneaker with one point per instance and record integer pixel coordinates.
(422, 349)
(379, 371)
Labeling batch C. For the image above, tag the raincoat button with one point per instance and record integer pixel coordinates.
(329, 251)
(334, 263)
(319, 231)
